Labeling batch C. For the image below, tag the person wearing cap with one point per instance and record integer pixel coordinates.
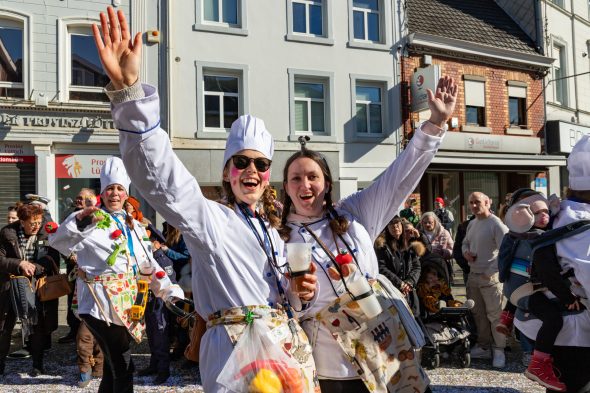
(571, 351)
(113, 253)
(346, 231)
(444, 215)
(237, 252)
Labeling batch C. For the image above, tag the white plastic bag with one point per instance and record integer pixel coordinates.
(258, 364)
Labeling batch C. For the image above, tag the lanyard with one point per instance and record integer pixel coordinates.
(269, 251)
(127, 231)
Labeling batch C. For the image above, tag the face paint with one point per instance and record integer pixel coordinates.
(234, 172)
(265, 175)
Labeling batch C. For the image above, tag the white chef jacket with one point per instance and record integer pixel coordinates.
(368, 212)
(229, 267)
(573, 252)
(92, 247)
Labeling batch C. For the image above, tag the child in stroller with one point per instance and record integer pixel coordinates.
(445, 328)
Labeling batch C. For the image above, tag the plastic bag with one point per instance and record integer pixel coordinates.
(258, 365)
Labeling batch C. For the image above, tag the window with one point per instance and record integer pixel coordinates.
(558, 3)
(366, 20)
(517, 106)
(307, 17)
(221, 16)
(559, 72)
(221, 98)
(369, 117)
(475, 103)
(310, 106)
(12, 56)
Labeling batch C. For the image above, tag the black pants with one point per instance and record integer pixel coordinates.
(37, 339)
(114, 340)
(72, 321)
(343, 386)
(573, 362)
(550, 314)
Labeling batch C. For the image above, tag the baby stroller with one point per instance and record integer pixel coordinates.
(445, 331)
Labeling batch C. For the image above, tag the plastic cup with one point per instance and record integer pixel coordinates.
(299, 259)
(369, 303)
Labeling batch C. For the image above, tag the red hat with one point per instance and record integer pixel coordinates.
(440, 200)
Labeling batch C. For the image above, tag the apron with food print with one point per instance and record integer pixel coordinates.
(287, 333)
(378, 348)
(121, 290)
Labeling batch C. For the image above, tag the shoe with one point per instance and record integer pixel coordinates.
(542, 372)
(478, 352)
(36, 371)
(85, 379)
(68, 338)
(147, 372)
(499, 360)
(526, 358)
(506, 323)
(162, 377)
(20, 354)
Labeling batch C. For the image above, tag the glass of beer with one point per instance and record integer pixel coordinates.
(299, 259)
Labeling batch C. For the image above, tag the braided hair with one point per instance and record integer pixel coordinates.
(338, 224)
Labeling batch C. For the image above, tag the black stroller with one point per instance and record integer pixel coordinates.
(445, 331)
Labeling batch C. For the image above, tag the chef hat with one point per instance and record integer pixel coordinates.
(578, 165)
(248, 133)
(113, 172)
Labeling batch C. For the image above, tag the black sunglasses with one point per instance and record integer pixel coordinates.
(242, 162)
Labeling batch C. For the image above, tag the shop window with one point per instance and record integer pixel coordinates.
(369, 109)
(221, 99)
(486, 182)
(559, 73)
(517, 106)
(475, 102)
(12, 56)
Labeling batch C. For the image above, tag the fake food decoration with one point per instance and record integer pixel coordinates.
(271, 376)
(51, 227)
(343, 258)
(105, 219)
(116, 234)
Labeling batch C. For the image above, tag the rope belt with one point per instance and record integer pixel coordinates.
(244, 314)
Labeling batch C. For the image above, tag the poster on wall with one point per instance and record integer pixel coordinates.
(74, 166)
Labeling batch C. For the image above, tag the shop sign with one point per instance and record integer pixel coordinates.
(423, 79)
(482, 143)
(17, 159)
(541, 185)
(68, 166)
(468, 141)
(30, 121)
(562, 136)
(16, 148)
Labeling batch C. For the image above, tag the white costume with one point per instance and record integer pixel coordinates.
(368, 212)
(229, 268)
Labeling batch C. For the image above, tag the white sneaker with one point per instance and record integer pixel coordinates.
(499, 360)
(526, 358)
(478, 352)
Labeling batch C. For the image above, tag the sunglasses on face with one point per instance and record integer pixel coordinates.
(242, 162)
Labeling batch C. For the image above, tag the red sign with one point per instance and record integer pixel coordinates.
(68, 166)
(17, 159)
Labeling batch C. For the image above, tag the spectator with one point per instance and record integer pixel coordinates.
(12, 216)
(440, 240)
(399, 259)
(133, 208)
(457, 251)
(480, 249)
(444, 215)
(24, 251)
(409, 213)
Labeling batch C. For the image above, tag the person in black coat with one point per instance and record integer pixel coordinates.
(24, 252)
(399, 259)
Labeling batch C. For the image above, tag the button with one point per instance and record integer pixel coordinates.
(268, 274)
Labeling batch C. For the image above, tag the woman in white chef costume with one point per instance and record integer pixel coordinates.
(113, 252)
(236, 250)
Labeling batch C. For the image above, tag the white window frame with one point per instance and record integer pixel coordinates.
(327, 78)
(385, 16)
(326, 39)
(22, 20)
(556, 42)
(386, 85)
(220, 69)
(241, 28)
(66, 27)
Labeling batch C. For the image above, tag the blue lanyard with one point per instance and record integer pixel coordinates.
(268, 249)
(127, 231)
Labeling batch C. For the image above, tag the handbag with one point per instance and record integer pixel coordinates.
(54, 286)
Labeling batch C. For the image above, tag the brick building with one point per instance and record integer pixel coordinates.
(494, 143)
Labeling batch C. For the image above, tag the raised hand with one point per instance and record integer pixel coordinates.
(442, 102)
(119, 56)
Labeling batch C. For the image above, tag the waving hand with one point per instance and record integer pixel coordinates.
(441, 102)
(119, 56)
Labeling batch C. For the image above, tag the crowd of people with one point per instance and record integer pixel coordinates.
(260, 323)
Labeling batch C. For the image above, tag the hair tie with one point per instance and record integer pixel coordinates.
(303, 139)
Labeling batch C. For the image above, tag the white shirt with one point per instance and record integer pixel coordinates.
(368, 212)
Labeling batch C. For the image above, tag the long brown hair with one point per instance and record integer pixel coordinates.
(269, 211)
(172, 235)
(338, 224)
(387, 238)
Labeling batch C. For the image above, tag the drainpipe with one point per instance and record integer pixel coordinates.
(573, 19)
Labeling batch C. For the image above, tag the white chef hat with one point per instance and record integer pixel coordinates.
(113, 172)
(578, 165)
(248, 132)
